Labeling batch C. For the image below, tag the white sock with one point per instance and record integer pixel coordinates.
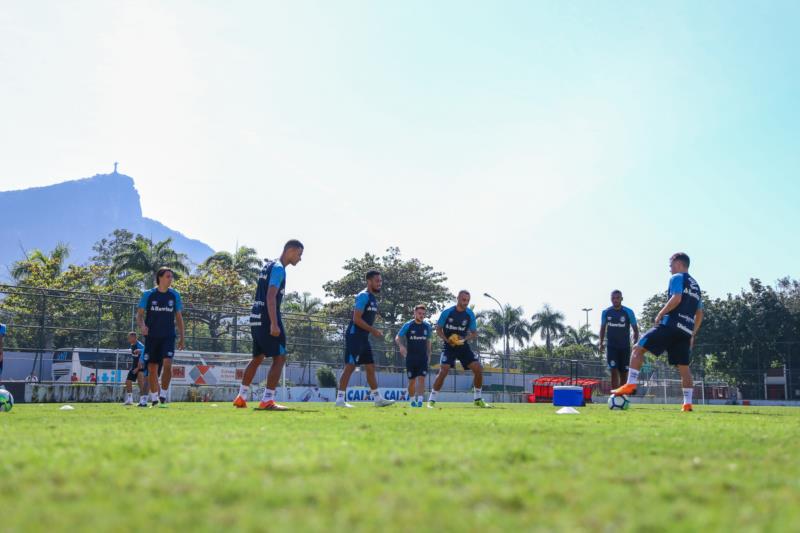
(340, 396)
(687, 395)
(633, 376)
(375, 395)
(477, 393)
(432, 397)
(153, 396)
(164, 393)
(420, 397)
(269, 394)
(129, 396)
(243, 390)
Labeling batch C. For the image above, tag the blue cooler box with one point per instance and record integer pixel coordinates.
(568, 396)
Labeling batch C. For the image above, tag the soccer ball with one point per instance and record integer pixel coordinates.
(6, 401)
(618, 402)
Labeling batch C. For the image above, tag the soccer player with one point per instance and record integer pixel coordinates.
(160, 308)
(2, 338)
(414, 341)
(358, 350)
(676, 327)
(266, 327)
(136, 371)
(615, 324)
(456, 327)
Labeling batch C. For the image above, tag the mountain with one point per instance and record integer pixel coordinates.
(79, 213)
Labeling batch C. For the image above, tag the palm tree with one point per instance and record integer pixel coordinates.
(582, 336)
(305, 303)
(512, 318)
(549, 323)
(244, 261)
(144, 257)
(52, 263)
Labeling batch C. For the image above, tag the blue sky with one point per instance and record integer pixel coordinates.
(540, 151)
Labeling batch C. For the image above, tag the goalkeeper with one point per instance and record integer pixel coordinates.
(456, 327)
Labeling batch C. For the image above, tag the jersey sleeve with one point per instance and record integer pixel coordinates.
(2, 330)
(178, 301)
(277, 276)
(700, 306)
(631, 316)
(473, 322)
(676, 284)
(603, 317)
(428, 330)
(443, 317)
(143, 300)
(361, 301)
(404, 330)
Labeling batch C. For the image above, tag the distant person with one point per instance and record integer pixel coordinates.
(414, 341)
(136, 371)
(266, 327)
(3, 330)
(358, 350)
(456, 327)
(616, 323)
(160, 309)
(676, 327)
(93, 378)
(74, 378)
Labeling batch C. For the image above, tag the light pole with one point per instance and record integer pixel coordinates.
(586, 310)
(505, 338)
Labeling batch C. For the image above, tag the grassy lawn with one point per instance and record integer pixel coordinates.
(456, 468)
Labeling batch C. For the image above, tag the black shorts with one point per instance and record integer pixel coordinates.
(132, 374)
(618, 357)
(674, 341)
(357, 350)
(417, 366)
(464, 354)
(156, 350)
(266, 344)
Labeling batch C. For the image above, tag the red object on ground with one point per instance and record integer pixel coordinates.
(543, 388)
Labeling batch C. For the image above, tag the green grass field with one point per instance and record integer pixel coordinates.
(456, 468)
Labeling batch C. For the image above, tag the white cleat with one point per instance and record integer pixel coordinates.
(383, 402)
(343, 404)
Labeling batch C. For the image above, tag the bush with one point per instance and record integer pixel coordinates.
(326, 377)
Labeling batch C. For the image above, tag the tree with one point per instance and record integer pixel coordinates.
(326, 378)
(582, 336)
(303, 304)
(145, 257)
(493, 323)
(46, 266)
(244, 261)
(107, 248)
(549, 323)
(405, 284)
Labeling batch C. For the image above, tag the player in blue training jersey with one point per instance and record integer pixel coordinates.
(456, 327)
(2, 339)
(616, 323)
(160, 309)
(136, 372)
(675, 329)
(357, 349)
(266, 327)
(414, 341)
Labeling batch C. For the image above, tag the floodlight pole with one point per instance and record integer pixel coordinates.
(505, 338)
(586, 310)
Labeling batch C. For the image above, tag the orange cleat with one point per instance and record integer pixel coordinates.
(626, 390)
(271, 406)
(687, 408)
(240, 403)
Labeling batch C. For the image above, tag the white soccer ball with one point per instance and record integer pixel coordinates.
(6, 401)
(618, 402)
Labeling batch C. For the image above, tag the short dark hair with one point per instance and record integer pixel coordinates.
(293, 243)
(682, 257)
(161, 272)
(616, 291)
(371, 274)
(131, 334)
(420, 306)
(464, 291)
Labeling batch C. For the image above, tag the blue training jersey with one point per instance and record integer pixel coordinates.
(618, 323)
(134, 357)
(682, 317)
(454, 321)
(159, 312)
(272, 275)
(417, 335)
(368, 305)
